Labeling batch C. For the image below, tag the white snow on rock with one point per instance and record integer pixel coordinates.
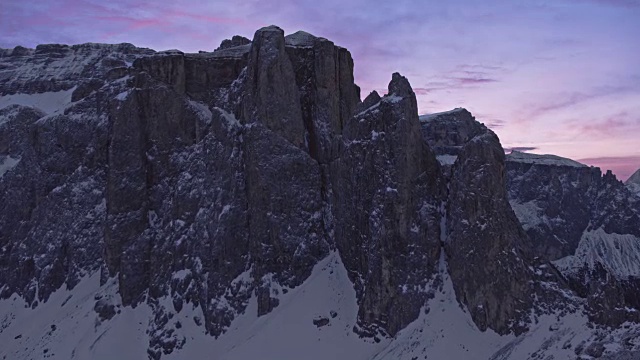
(203, 110)
(553, 160)
(429, 117)
(7, 163)
(446, 159)
(67, 327)
(443, 331)
(48, 102)
(618, 253)
(392, 99)
(288, 331)
(229, 118)
(123, 95)
(529, 214)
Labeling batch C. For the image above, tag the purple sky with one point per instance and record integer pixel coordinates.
(558, 76)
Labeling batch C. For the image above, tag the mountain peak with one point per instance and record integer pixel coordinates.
(634, 178)
(399, 86)
(545, 159)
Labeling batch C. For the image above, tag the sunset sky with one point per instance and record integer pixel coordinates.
(552, 76)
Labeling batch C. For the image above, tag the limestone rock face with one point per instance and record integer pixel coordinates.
(213, 184)
(387, 196)
(586, 223)
(557, 191)
(485, 244)
(328, 95)
(271, 95)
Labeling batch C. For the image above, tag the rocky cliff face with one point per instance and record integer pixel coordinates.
(178, 173)
(587, 223)
(387, 195)
(485, 244)
(217, 182)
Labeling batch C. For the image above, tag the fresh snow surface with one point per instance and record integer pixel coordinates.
(48, 102)
(429, 117)
(443, 330)
(230, 119)
(619, 253)
(203, 110)
(552, 337)
(446, 159)
(288, 331)
(554, 160)
(392, 98)
(529, 214)
(7, 163)
(27, 333)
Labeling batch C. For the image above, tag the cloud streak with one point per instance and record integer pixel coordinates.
(520, 148)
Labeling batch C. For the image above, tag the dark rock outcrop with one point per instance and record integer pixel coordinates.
(587, 223)
(387, 196)
(236, 40)
(328, 95)
(485, 244)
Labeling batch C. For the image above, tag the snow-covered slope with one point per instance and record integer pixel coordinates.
(429, 117)
(67, 327)
(313, 321)
(48, 102)
(546, 159)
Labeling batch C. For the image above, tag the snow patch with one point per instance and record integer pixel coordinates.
(123, 95)
(48, 102)
(546, 159)
(67, 327)
(203, 110)
(392, 99)
(443, 331)
(7, 163)
(529, 214)
(446, 159)
(228, 117)
(429, 117)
